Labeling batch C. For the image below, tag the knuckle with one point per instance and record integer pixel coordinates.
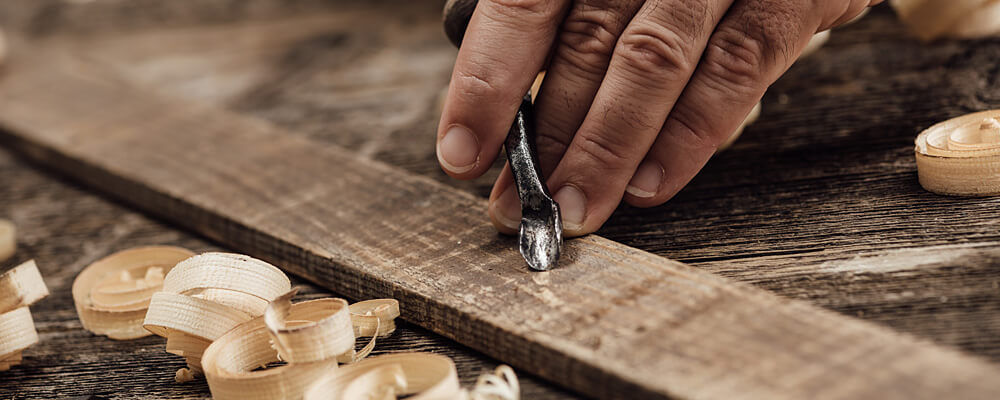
(687, 130)
(476, 86)
(549, 143)
(551, 148)
(654, 49)
(601, 151)
(588, 38)
(771, 28)
(733, 62)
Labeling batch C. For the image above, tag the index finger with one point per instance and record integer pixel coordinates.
(504, 47)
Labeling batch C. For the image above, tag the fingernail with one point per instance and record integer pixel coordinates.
(458, 150)
(646, 181)
(573, 207)
(507, 209)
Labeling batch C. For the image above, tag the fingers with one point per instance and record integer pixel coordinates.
(504, 46)
(505, 207)
(651, 64)
(580, 58)
(756, 42)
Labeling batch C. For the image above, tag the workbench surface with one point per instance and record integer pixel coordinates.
(817, 201)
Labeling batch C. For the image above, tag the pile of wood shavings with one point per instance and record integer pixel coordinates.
(20, 287)
(230, 316)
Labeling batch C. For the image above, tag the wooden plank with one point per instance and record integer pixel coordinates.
(611, 322)
(70, 362)
(812, 198)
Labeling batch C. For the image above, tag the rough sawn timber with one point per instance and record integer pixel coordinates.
(611, 321)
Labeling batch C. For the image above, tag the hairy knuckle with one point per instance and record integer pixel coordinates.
(772, 27)
(733, 61)
(654, 50)
(588, 38)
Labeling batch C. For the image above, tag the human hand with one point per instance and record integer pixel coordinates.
(637, 96)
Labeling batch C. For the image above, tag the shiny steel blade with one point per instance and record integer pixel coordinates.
(541, 224)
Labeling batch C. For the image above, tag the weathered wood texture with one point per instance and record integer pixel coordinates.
(64, 228)
(817, 201)
(612, 321)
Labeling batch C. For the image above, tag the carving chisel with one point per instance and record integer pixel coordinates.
(540, 236)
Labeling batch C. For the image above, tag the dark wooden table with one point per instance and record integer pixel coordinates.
(817, 201)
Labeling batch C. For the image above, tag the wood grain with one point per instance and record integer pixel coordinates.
(63, 228)
(612, 321)
(825, 177)
(818, 201)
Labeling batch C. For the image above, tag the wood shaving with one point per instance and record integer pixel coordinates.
(231, 317)
(210, 313)
(421, 376)
(311, 336)
(965, 19)
(112, 294)
(207, 295)
(961, 156)
(308, 336)
(20, 287)
(8, 239)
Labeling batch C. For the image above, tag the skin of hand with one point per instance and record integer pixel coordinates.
(638, 94)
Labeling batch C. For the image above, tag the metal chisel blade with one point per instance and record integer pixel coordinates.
(541, 225)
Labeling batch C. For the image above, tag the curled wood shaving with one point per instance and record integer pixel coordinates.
(17, 332)
(20, 287)
(421, 376)
(207, 295)
(8, 239)
(112, 294)
(310, 337)
(375, 318)
(319, 329)
(961, 156)
(231, 363)
(232, 317)
(966, 19)
(502, 385)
